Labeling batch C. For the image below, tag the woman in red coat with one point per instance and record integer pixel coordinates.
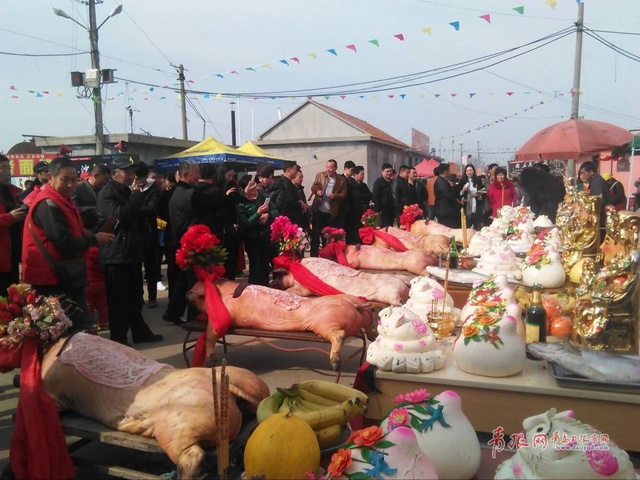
(501, 192)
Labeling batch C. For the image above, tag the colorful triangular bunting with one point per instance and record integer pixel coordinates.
(295, 59)
(400, 37)
(471, 95)
(437, 95)
(520, 10)
(402, 95)
(486, 17)
(374, 42)
(284, 62)
(427, 30)
(455, 25)
(510, 93)
(314, 56)
(352, 47)
(552, 3)
(332, 51)
(251, 69)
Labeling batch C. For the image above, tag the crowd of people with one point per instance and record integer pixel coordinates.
(91, 240)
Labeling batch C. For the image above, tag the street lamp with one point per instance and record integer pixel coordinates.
(95, 64)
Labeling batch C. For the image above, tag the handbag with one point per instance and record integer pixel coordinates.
(72, 272)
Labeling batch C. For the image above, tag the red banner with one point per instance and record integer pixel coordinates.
(22, 163)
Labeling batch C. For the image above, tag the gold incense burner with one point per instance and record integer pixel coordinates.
(579, 221)
(608, 304)
(442, 324)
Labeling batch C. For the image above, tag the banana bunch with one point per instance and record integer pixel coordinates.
(524, 298)
(325, 406)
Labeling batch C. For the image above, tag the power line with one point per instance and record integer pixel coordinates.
(145, 34)
(613, 46)
(615, 32)
(389, 85)
(492, 12)
(13, 54)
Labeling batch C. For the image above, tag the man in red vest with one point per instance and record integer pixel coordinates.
(54, 232)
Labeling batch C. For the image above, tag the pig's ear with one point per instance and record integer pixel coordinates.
(197, 289)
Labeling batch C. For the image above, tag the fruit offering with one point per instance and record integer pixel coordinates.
(283, 446)
(324, 406)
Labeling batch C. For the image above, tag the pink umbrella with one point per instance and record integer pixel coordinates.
(571, 139)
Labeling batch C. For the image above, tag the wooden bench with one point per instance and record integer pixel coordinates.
(262, 336)
(87, 431)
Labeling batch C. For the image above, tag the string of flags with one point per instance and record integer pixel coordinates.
(503, 119)
(353, 48)
(152, 93)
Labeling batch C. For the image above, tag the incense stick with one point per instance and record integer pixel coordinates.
(223, 457)
(216, 414)
(446, 282)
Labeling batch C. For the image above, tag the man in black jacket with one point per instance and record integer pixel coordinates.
(285, 194)
(359, 197)
(86, 195)
(40, 171)
(122, 260)
(382, 198)
(149, 226)
(401, 192)
(446, 208)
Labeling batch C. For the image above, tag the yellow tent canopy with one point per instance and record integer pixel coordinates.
(211, 150)
(253, 149)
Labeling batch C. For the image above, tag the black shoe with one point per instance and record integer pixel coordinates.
(16, 381)
(171, 319)
(152, 338)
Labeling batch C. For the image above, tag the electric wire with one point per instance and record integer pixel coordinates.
(615, 32)
(612, 46)
(390, 85)
(14, 54)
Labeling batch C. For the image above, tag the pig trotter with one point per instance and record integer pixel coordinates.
(337, 340)
(190, 461)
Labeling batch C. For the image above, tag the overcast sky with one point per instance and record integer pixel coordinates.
(211, 37)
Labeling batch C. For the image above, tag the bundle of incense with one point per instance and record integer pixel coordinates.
(221, 413)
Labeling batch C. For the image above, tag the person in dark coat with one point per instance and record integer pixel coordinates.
(359, 198)
(86, 195)
(543, 191)
(597, 186)
(167, 244)
(254, 219)
(446, 208)
(418, 193)
(122, 259)
(40, 171)
(401, 192)
(11, 217)
(617, 197)
(306, 212)
(226, 223)
(149, 226)
(285, 194)
(382, 198)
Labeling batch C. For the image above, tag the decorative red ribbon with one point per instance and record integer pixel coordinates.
(368, 234)
(38, 447)
(219, 316)
(304, 277)
(335, 249)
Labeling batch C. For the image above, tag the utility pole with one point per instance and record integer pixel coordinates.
(577, 66)
(453, 149)
(183, 102)
(95, 64)
(478, 154)
(461, 154)
(233, 124)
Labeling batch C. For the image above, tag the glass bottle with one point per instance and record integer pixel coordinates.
(453, 253)
(536, 321)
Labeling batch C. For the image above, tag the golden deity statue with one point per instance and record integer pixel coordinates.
(579, 220)
(608, 306)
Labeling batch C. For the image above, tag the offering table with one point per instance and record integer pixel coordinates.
(490, 403)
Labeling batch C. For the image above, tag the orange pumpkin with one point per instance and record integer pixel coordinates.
(561, 327)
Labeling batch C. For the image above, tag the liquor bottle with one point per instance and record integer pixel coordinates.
(536, 322)
(453, 254)
(511, 230)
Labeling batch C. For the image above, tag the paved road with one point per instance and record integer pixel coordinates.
(277, 369)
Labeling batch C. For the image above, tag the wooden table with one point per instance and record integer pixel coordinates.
(492, 402)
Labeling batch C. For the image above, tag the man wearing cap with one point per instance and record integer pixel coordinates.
(617, 196)
(54, 242)
(86, 195)
(121, 199)
(40, 171)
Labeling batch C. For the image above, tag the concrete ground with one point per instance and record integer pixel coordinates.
(276, 368)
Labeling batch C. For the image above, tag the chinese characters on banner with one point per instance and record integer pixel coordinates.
(22, 163)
